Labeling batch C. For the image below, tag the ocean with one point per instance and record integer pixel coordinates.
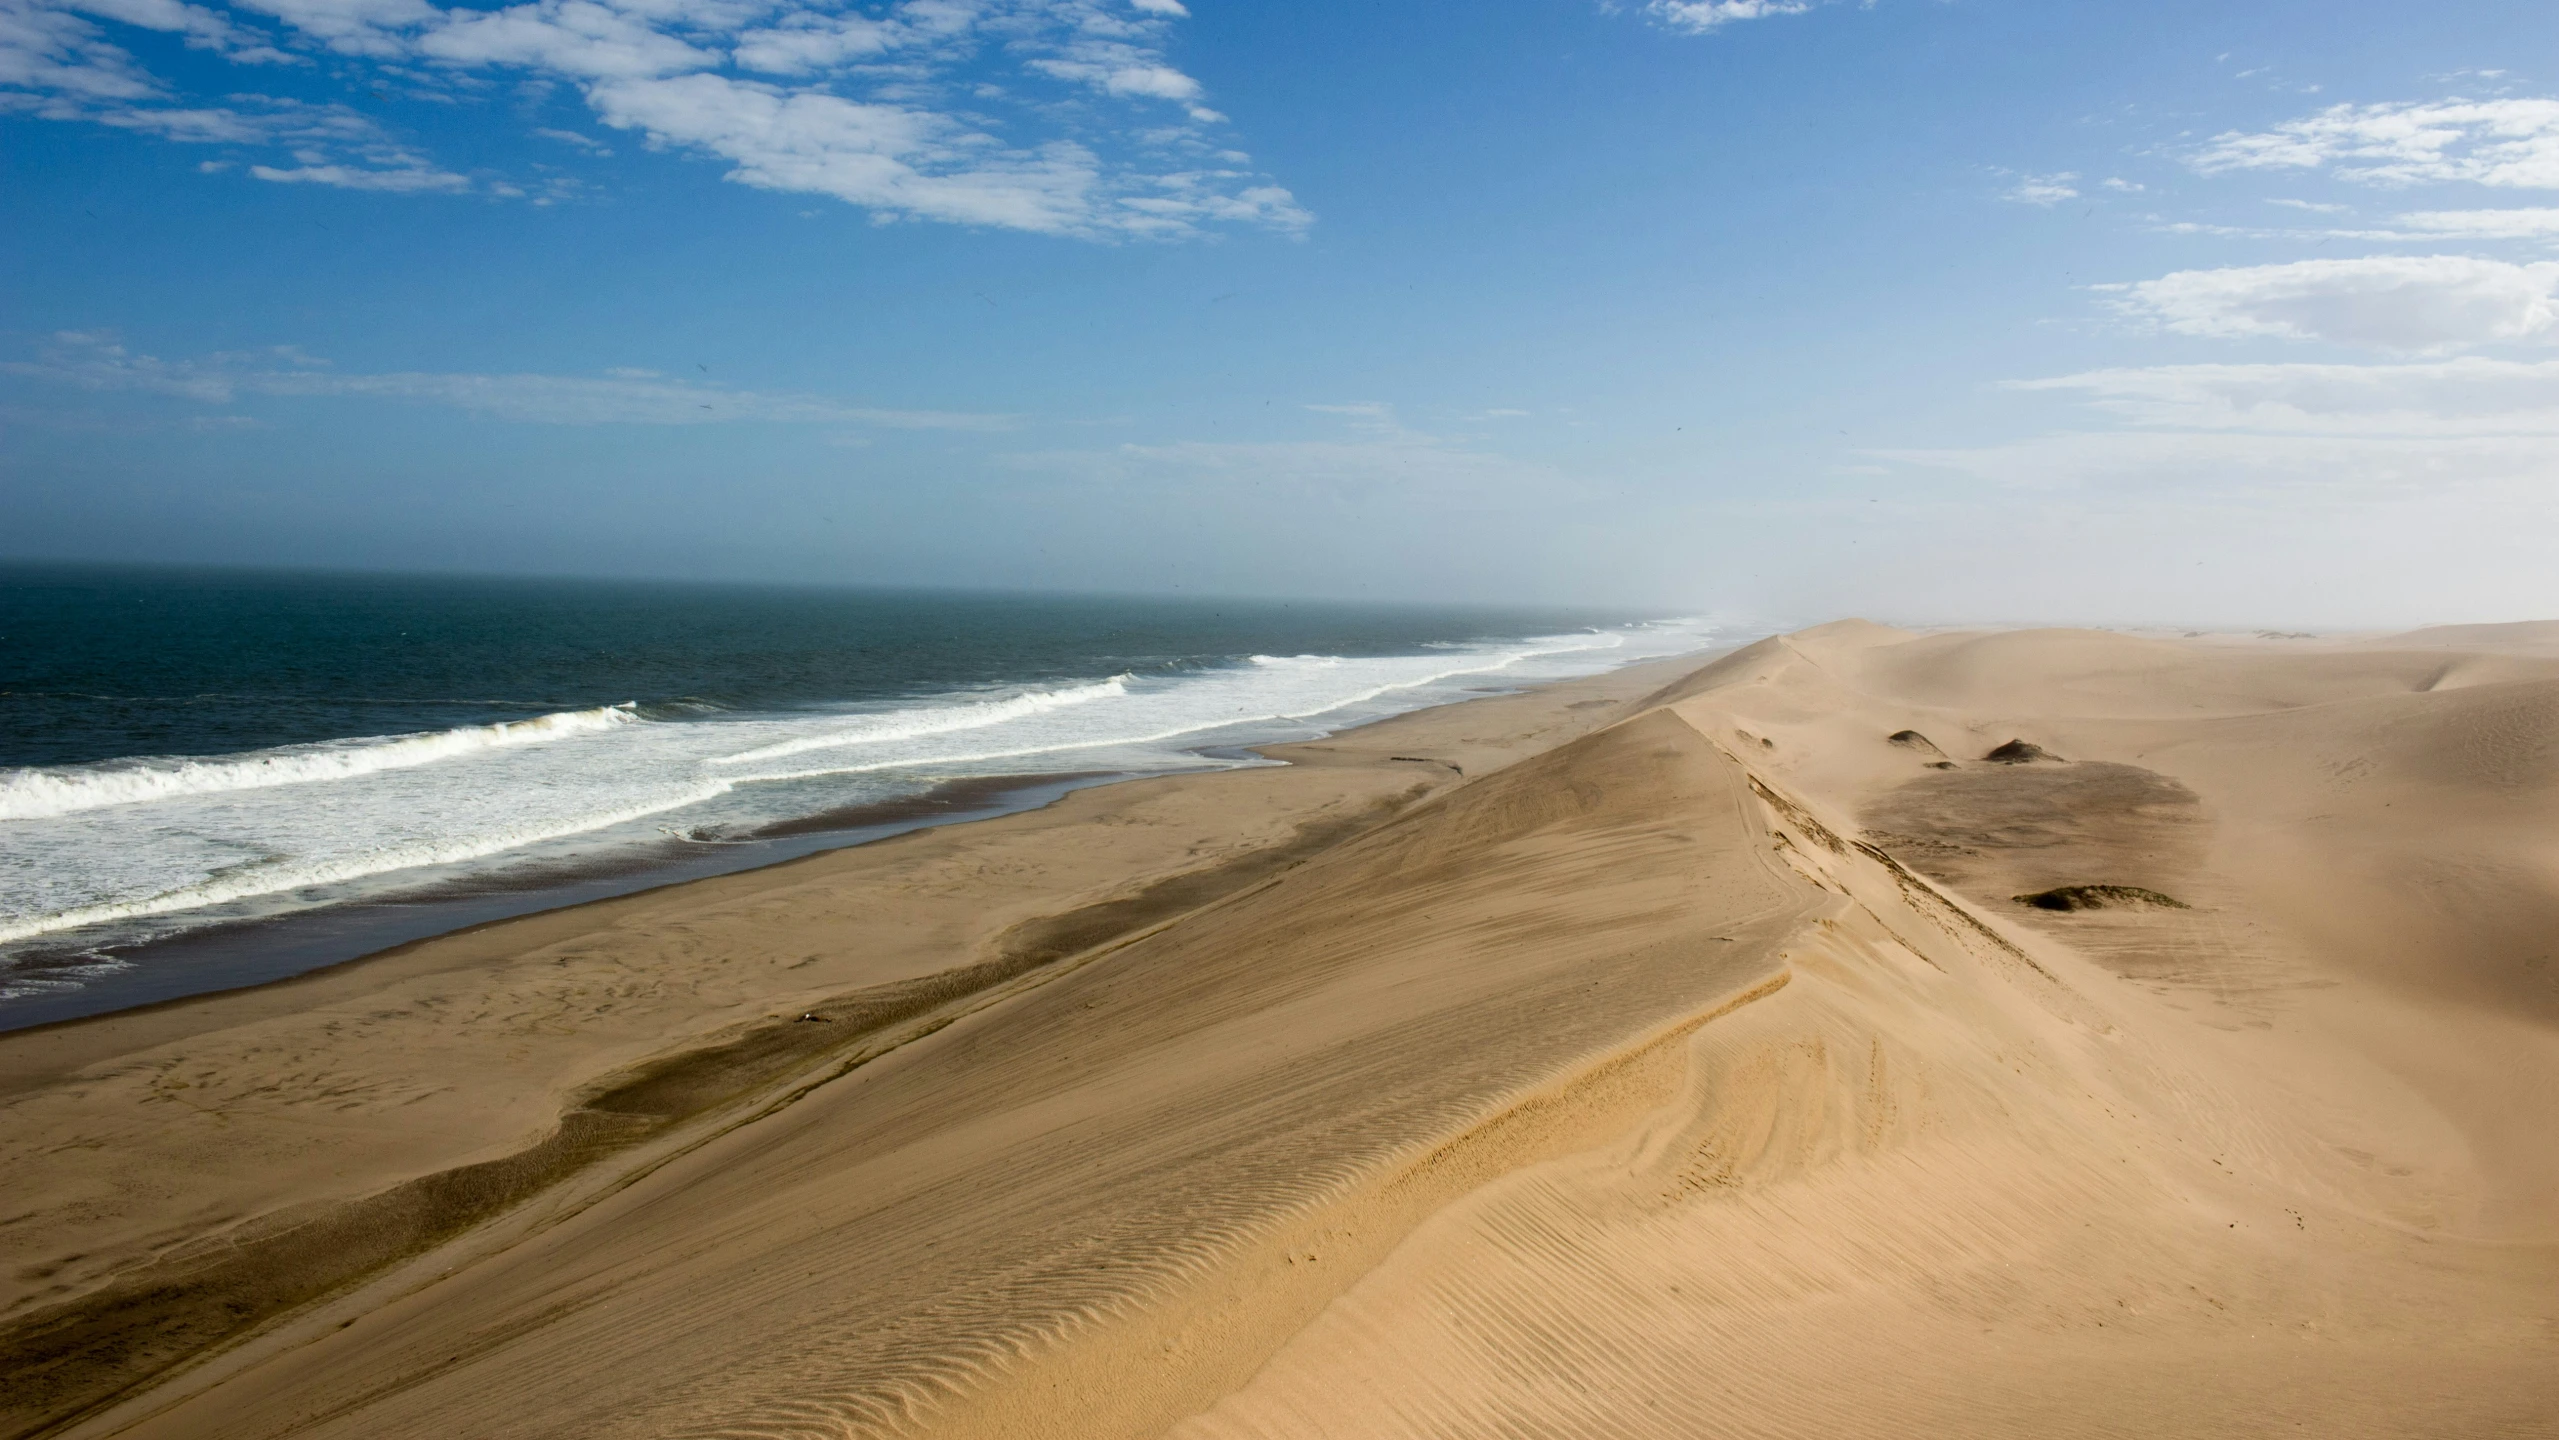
(214, 778)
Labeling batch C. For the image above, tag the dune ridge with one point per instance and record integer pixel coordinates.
(2027, 1174)
(1701, 1069)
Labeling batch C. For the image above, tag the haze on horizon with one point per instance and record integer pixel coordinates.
(1931, 309)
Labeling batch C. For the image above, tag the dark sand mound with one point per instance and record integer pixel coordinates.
(2098, 897)
(2019, 752)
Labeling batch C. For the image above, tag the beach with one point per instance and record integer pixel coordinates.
(1763, 1046)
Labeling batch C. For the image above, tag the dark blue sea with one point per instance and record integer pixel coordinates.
(209, 778)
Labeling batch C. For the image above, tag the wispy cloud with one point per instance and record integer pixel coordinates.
(1699, 16)
(2516, 224)
(2511, 143)
(2164, 468)
(54, 62)
(2471, 396)
(2417, 304)
(397, 180)
(1064, 117)
(2044, 190)
(587, 143)
(2413, 227)
(621, 396)
(2290, 435)
(199, 27)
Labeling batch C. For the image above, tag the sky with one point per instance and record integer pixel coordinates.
(1931, 310)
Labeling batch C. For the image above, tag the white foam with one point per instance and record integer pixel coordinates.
(299, 873)
(936, 720)
(34, 793)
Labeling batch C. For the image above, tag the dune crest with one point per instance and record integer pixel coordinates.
(1995, 1170)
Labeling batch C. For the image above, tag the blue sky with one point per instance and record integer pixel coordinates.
(1930, 309)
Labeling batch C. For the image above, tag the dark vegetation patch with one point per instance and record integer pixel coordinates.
(1994, 831)
(1913, 740)
(2099, 897)
(2019, 752)
(83, 1354)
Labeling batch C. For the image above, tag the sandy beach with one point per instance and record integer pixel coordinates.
(1865, 1033)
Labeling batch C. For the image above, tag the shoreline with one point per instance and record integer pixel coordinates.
(348, 936)
(276, 949)
(71, 983)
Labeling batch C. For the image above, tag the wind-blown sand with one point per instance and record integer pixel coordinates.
(1685, 1066)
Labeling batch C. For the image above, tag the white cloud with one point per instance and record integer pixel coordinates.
(1700, 16)
(95, 361)
(900, 162)
(62, 69)
(587, 143)
(2166, 467)
(2044, 189)
(202, 29)
(577, 38)
(219, 126)
(56, 61)
(898, 111)
(2293, 436)
(906, 162)
(2428, 303)
(1119, 69)
(2415, 227)
(806, 42)
(2511, 143)
(2519, 224)
(352, 27)
(329, 144)
(2471, 396)
(399, 180)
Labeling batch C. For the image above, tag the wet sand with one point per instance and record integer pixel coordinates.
(238, 954)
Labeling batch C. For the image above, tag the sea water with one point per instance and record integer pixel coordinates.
(182, 750)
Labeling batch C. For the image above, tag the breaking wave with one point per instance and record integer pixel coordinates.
(40, 793)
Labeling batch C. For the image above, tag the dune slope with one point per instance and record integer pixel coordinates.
(1096, 1206)
(2271, 1158)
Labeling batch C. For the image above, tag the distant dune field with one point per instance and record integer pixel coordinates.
(1735, 1051)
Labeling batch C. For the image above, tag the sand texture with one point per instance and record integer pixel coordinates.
(1730, 1051)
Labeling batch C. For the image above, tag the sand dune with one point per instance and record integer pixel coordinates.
(1700, 1073)
(2295, 1175)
